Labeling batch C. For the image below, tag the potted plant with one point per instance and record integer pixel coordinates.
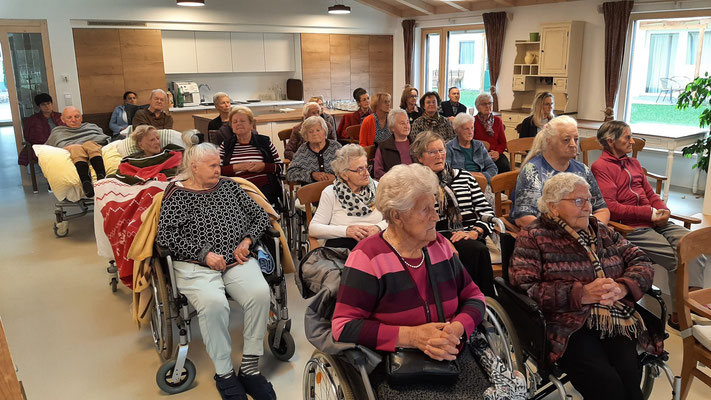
(697, 94)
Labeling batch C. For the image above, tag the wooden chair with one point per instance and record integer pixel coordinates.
(353, 133)
(591, 143)
(308, 195)
(284, 136)
(486, 144)
(480, 179)
(504, 183)
(696, 339)
(518, 147)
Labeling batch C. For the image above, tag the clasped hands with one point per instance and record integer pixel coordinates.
(250, 166)
(360, 232)
(439, 340)
(319, 176)
(604, 291)
(217, 262)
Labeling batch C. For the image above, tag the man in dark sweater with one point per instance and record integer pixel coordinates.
(452, 107)
(155, 114)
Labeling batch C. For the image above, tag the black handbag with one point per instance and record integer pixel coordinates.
(410, 366)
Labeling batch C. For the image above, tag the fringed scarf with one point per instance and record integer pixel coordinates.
(356, 204)
(617, 320)
(448, 205)
(487, 123)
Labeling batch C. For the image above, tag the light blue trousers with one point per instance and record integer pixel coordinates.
(205, 289)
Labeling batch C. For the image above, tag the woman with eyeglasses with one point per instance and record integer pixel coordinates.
(346, 212)
(408, 102)
(462, 209)
(490, 128)
(586, 278)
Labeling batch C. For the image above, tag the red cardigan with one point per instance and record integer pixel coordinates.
(498, 141)
(36, 130)
(626, 190)
(354, 118)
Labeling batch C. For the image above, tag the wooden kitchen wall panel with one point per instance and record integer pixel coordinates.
(316, 65)
(99, 68)
(380, 50)
(99, 93)
(142, 55)
(340, 66)
(360, 62)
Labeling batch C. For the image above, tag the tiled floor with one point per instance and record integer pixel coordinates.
(71, 338)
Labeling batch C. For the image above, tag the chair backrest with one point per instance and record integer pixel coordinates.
(353, 133)
(310, 194)
(690, 246)
(285, 135)
(503, 183)
(589, 144)
(637, 146)
(370, 152)
(519, 147)
(480, 179)
(131, 111)
(487, 145)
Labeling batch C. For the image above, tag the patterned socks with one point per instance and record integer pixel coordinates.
(250, 365)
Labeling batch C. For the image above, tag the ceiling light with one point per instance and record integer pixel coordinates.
(191, 3)
(339, 9)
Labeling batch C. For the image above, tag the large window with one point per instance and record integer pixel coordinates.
(461, 52)
(666, 55)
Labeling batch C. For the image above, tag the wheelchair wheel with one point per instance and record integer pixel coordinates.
(507, 348)
(61, 229)
(327, 378)
(161, 323)
(165, 372)
(287, 347)
(649, 374)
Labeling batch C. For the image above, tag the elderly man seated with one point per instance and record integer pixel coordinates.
(83, 141)
(155, 114)
(632, 201)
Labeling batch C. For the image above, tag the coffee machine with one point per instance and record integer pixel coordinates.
(189, 91)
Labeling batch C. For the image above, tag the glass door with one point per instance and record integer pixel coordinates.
(467, 66)
(431, 62)
(30, 70)
(5, 113)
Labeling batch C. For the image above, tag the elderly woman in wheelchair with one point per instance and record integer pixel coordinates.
(211, 225)
(586, 279)
(387, 300)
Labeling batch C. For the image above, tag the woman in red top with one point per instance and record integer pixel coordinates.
(374, 128)
(356, 118)
(490, 128)
(38, 127)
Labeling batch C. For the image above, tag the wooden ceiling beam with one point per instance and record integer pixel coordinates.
(455, 5)
(384, 7)
(505, 3)
(418, 5)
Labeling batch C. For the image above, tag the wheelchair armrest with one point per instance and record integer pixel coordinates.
(272, 233)
(521, 298)
(162, 251)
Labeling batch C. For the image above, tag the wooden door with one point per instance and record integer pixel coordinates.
(555, 46)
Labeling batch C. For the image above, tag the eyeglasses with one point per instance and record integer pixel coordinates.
(413, 96)
(486, 104)
(358, 170)
(436, 152)
(581, 201)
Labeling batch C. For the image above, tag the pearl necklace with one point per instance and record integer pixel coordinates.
(387, 237)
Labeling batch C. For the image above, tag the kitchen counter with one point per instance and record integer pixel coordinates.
(295, 115)
(263, 103)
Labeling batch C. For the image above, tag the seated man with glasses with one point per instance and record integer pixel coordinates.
(632, 201)
(346, 212)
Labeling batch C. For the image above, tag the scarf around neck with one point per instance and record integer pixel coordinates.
(449, 206)
(618, 319)
(355, 204)
(487, 123)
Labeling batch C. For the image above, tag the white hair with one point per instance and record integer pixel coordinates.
(344, 155)
(218, 96)
(309, 105)
(460, 120)
(311, 121)
(154, 91)
(399, 188)
(557, 187)
(484, 96)
(193, 155)
(543, 138)
(392, 116)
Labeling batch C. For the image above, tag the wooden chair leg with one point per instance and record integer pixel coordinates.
(35, 190)
(687, 369)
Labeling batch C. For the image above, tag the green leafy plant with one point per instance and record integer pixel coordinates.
(697, 94)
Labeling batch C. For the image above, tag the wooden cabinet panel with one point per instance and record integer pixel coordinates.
(213, 52)
(142, 59)
(381, 63)
(247, 51)
(316, 65)
(340, 66)
(99, 69)
(179, 53)
(183, 120)
(279, 51)
(554, 49)
(360, 62)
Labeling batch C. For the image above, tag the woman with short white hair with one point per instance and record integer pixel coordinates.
(222, 103)
(210, 225)
(312, 162)
(311, 109)
(394, 150)
(346, 212)
(553, 151)
(463, 152)
(490, 128)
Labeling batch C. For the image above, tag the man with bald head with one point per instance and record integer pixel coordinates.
(83, 140)
(155, 114)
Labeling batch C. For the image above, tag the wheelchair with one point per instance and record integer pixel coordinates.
(524, 326)
(171, 309)
(340, 371)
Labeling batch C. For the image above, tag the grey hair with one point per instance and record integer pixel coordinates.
(392, 116)
(399, 188)
(460, 120)
(309, 105)
(611, 130)
(344, 155)
(484, 96)
(543, 138)
(154, 91)
(140, 132)
(311, 121)
(557, 187)
(219, 95)
(419, 145)
(195, 154)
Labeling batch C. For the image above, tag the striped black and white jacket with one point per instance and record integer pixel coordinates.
(472, 203)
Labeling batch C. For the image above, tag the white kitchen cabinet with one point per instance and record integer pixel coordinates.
(179, 55)
(214, 52)
(279, 51)
(247, 52)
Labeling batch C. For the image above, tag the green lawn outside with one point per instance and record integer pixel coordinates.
(468, 96)
(665, 114)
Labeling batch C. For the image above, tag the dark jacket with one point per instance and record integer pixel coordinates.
(388, 153)
(527, 128)
(36, 130)
(552, 268)
(262, 143)
(447, 110)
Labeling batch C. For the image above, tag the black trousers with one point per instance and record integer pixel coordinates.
(606, 369)
(348, 243)
(503, 164)
(476, 259)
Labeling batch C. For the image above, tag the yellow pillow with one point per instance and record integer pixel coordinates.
(59, 170)
(112, 158)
